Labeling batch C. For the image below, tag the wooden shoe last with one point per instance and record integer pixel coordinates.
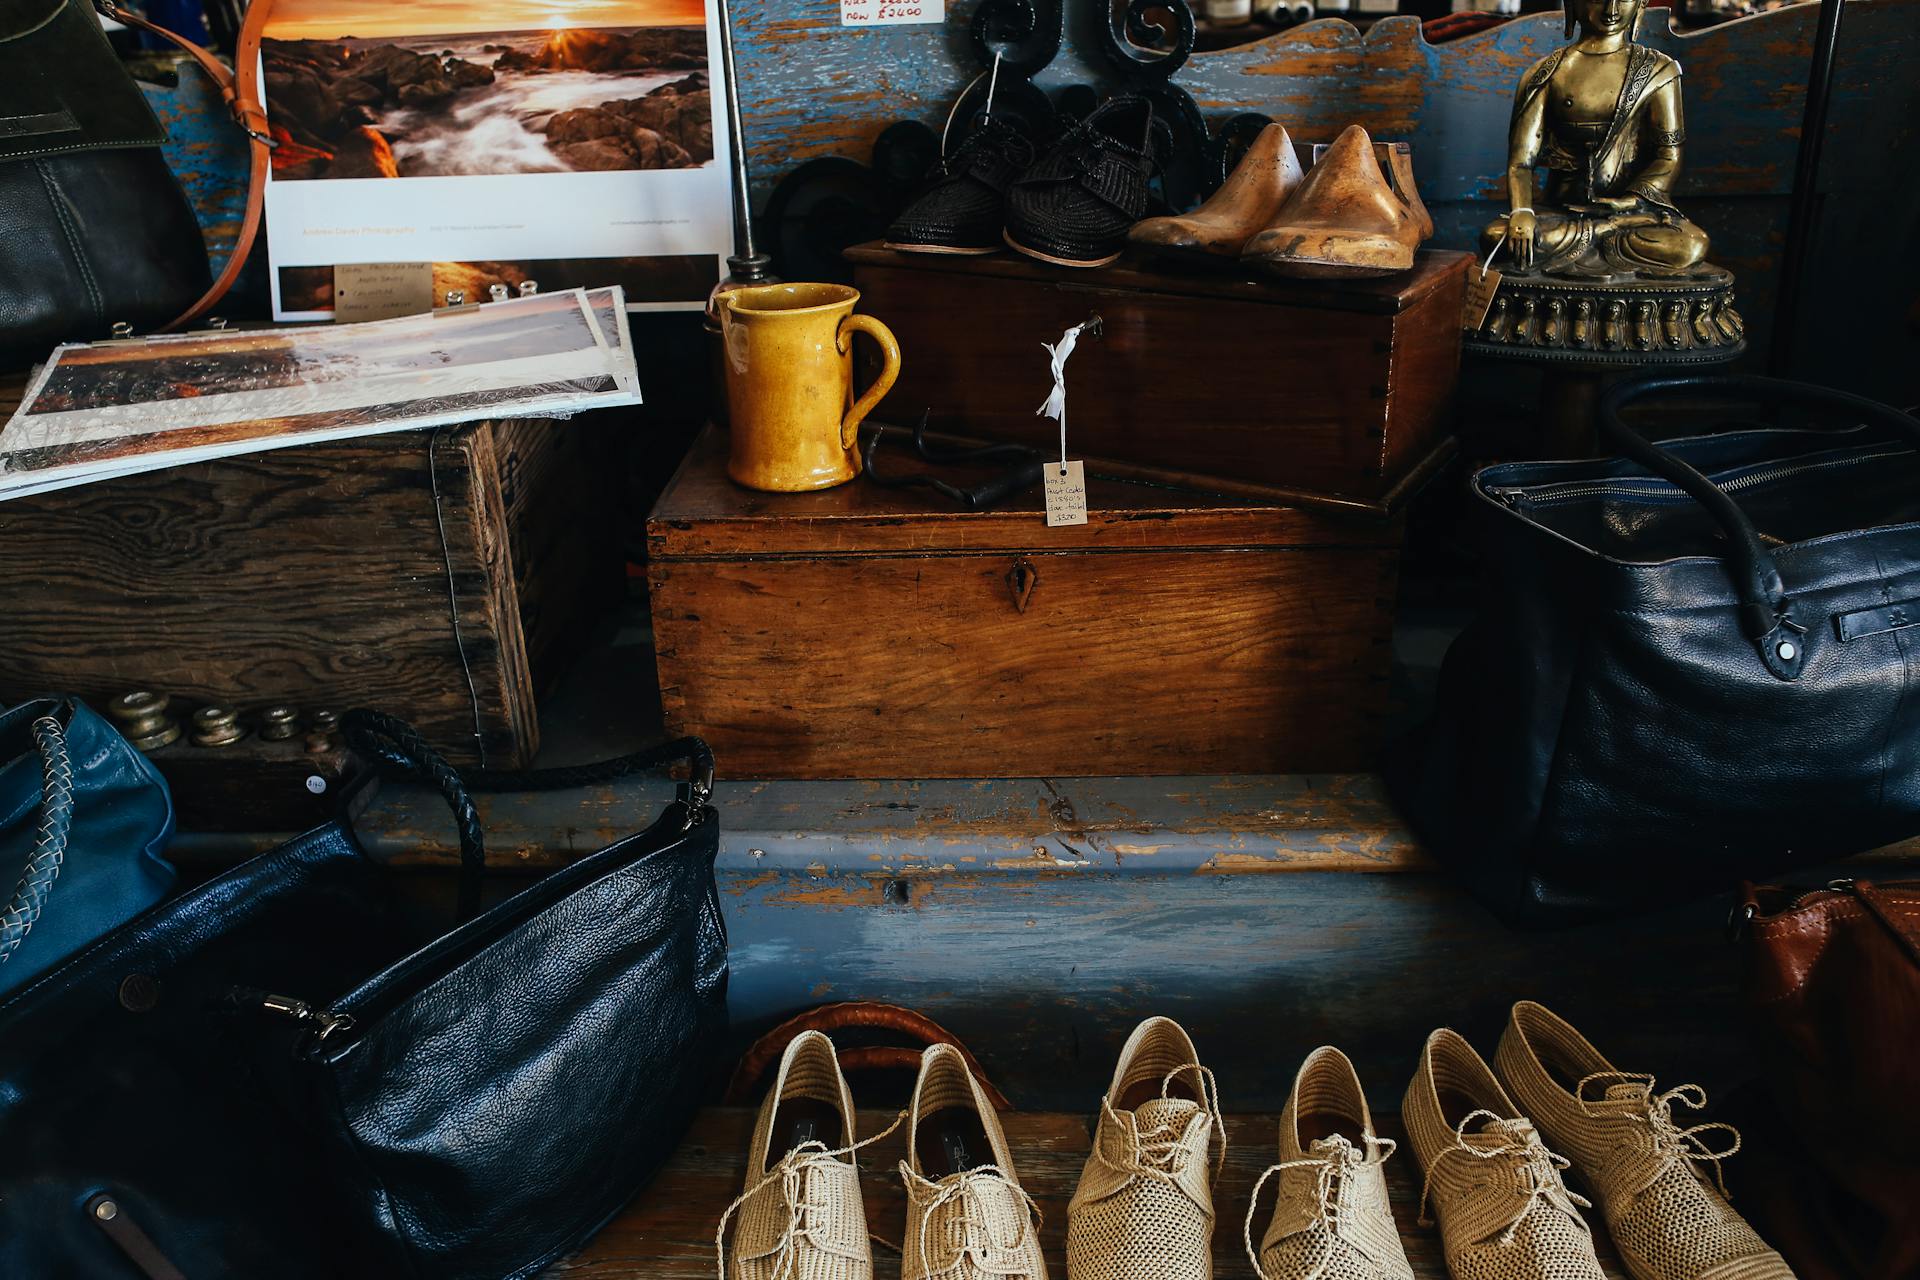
(1251, 197)
(1345, 220)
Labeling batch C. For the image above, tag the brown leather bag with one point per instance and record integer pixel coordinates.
(240, 91)
(1833, 979)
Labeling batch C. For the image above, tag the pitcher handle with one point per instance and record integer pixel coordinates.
(889, 370)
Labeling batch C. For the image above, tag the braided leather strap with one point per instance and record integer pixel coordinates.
(50, 845)
(392, 746)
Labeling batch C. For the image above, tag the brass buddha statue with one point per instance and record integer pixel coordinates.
(1602, 116)
(1601, 267)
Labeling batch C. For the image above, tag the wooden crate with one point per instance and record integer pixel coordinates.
(1321, 390)
(864, 632)
(444, 576)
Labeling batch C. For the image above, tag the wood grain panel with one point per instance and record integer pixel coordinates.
(1313, 389)
(667, 1233)
(374, 572)
(1166, 661)
(703, 514)
(559, 484)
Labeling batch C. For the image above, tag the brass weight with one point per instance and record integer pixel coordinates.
(277, 724)
(143, 719)
(217, 727)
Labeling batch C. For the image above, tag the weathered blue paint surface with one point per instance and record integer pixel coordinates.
(1039, 918)
(208, 154)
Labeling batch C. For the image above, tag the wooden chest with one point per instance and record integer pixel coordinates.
(1311, 388)
(443, 576)
(865, 632)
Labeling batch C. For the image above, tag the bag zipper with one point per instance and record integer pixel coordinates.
(1843, 885)
(1653, 487)
(323, 1022)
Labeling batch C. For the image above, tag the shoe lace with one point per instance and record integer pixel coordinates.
(971, 1231)
(989, 135)
(1535, 1167)
(792, 1172)
(1159, 1152)
(1085, 148)
(1655, 1110)
(1331, 1160)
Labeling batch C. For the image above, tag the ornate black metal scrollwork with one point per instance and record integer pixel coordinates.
(1024, 34)
(1139, 44)
(1147, 43)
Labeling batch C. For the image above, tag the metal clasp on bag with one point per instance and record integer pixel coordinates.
(324, 1021)
(699, 790)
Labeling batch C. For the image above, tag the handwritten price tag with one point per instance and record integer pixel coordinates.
(1066, 493)
(1479, 299)
(891, 13)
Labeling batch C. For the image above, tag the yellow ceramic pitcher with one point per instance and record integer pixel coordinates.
(789, 370)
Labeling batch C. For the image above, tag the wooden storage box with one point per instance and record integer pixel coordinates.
(443, 576)
(1315, 389)
(865, 632)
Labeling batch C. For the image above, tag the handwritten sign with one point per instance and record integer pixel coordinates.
(891, 13)
(379, 290)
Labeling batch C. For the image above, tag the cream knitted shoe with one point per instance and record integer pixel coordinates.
(1331, 1219)
(801, 1216)
(1144, 1206)
(1669, 1220)
(1504, 1212)
(967, 1217)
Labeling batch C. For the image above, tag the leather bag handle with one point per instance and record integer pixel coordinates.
(240, 90)
(910, 1024)
(395, 749)
(1766, 615)
(50, 844)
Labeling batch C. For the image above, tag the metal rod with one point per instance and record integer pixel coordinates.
(747, 265)
(1806, 172)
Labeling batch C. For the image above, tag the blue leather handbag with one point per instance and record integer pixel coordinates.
(84, 822)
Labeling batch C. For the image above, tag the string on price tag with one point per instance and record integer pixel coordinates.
(1479, 299)
(1065, 483)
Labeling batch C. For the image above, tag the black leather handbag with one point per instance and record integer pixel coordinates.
(287, 1072)
(96, 235)
(1691, 665)
(94, 228)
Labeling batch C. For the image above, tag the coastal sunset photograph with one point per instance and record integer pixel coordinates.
(359, 89)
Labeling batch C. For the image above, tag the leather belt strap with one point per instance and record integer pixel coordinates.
(240, 90)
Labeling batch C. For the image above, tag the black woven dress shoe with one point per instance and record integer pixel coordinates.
(964, 204)
(1076, 204)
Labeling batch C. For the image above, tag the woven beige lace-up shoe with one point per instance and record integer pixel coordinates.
(967, 1217)
(1144, 1206)
(1505, 1213)
(1331, 1219)
(1669, 1217)
(801, 1216)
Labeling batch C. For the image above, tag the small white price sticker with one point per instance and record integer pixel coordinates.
(891, 13)
(1066, 489)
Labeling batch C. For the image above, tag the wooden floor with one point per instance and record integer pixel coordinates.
(667, 1233)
